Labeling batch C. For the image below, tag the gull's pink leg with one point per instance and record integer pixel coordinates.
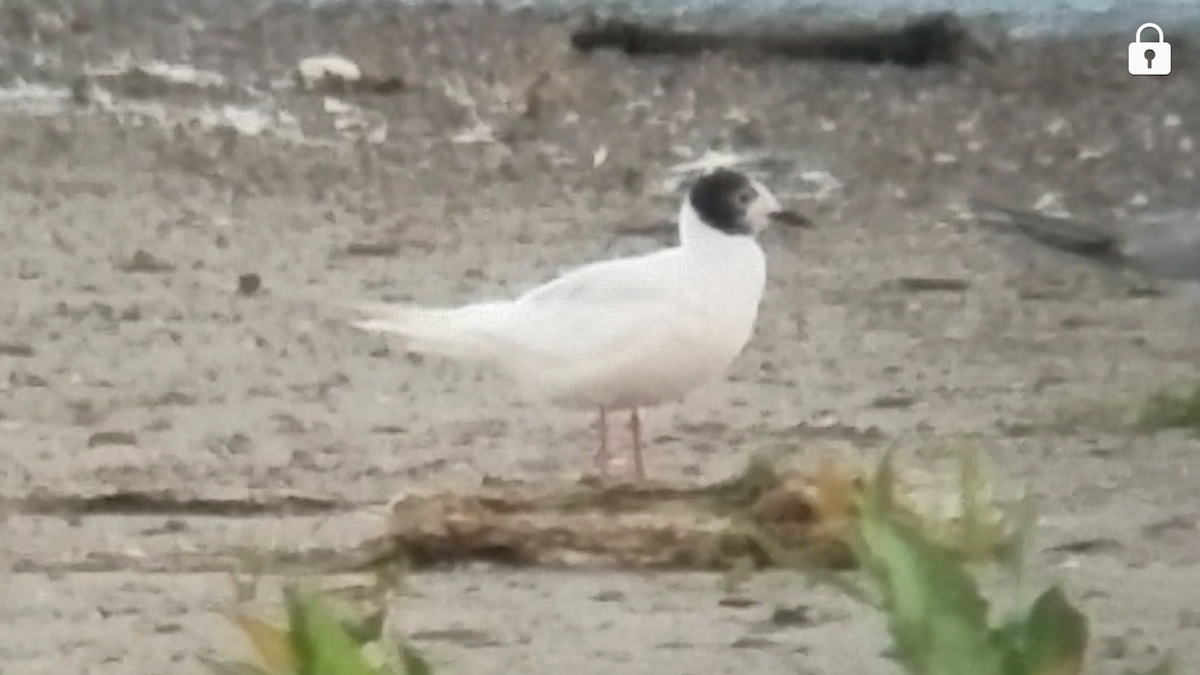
(635, 427)
(603, 456)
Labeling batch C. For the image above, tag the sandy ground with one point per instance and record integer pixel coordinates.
(130, 361)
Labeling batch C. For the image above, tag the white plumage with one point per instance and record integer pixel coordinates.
(624, 333)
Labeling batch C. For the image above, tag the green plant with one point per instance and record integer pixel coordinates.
(319, 640)
(1175, 406)
(938, 618)
(915, 571)
(1172, 408)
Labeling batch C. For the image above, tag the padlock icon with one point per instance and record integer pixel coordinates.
(1149, 58)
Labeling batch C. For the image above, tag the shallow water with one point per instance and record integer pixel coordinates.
(1025, 17)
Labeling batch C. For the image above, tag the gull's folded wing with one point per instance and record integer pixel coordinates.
(1062, 234)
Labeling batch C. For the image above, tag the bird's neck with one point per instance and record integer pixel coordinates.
(719, 256)
(728, 275)
(704, 241)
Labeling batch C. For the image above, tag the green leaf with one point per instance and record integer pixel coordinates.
(414, 663)
(404, 660)
(1007, 640)
(958, 648)
(1055, 636)
(1013, 556)
(230, 667)
(977, 531)
(367, 627)
(321, 645)
(936, 614)
(917, 574)
(272, 644)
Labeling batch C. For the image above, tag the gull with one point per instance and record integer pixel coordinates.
(624, 333)
(1165, 245)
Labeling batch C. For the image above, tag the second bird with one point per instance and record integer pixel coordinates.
(626, 333)
(1165, 245)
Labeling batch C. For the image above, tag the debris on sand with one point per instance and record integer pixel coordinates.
(927, 40)
(248, 284)
(709, 161)
(20, 350)
(931, 284)
(708, 527)
(132, 100)
(716, 159)
(144, 262)
(328, 70)
(233, 503)
(248, 121)
(103, 438)
(153, 79)
(336, 74)
(371, 249)
(766, 517)
(352, 121)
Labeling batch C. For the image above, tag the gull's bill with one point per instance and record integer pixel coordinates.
(791, 219)
(626, 333)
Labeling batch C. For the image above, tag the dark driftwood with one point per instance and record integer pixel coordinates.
(923, 41)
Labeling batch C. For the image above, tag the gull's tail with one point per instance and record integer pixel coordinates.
(1062, 234)
(472, 332)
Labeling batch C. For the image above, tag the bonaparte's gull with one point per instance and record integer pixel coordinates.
(624, 333)
(1164, 245)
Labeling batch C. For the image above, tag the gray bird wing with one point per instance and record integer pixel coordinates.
(1091, 242)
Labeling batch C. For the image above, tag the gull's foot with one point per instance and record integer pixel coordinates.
(629, 478)
(606, 482)
(596, 479)
(599, 470)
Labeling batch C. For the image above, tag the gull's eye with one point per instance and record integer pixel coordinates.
(745, 197)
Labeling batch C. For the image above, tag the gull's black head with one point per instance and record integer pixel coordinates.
(735, 204)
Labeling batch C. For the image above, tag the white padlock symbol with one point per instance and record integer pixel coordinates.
(1149, 58)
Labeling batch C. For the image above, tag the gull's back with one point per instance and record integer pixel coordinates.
(1167, 246)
